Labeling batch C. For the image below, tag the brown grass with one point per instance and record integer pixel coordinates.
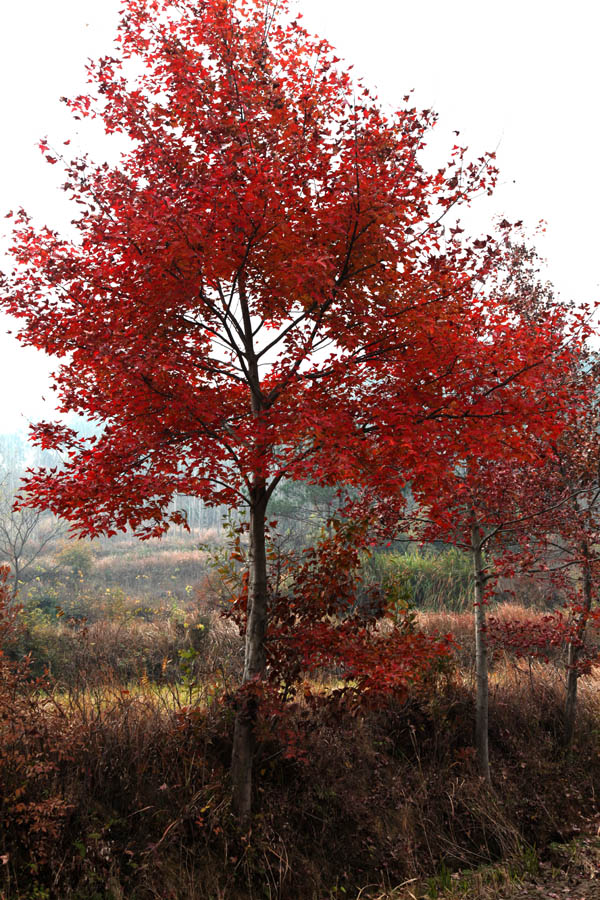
(127, 787)
(462, 626)
(169, 559)
(131, 649)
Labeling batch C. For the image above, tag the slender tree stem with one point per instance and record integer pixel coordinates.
(481, 655)
(575, 649)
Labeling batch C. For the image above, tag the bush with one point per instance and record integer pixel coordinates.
(78, 558)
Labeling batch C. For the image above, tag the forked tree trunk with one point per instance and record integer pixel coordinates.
(481, 656)
(254, 661)
(575, 649)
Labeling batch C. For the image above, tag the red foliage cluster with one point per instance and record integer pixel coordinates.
(321, 618)
(539, 637)
(268, 210)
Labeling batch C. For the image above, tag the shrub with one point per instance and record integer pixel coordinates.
(78, 558)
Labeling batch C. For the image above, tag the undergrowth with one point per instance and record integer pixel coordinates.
(114, 784)
(118, 795)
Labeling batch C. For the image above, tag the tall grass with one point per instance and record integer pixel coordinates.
(426, 578)
(114, 771)
(123, 651)
(97, 579)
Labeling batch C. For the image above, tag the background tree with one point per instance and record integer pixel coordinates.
(26, 534)
(559, 495)
(482, 483)
(562, 541)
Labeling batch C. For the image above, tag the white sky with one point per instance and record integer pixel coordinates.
(521, 76)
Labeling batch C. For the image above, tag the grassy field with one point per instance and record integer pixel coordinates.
(115, 778)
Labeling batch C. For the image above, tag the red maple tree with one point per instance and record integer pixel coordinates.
(265, 254)
(481, 472)
(559, 499)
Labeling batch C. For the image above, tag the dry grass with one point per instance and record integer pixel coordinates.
(462, 626)
(155, 572)
(126, 784)
(129, 650)
(168, 559)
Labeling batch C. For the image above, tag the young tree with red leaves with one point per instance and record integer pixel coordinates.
(268, 235)
(564, 542)
(483, 483)
(322, 616)
(578, 465)
(556, 499)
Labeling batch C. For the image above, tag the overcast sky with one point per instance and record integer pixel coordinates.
(521, 78)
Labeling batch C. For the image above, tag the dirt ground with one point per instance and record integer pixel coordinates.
(567, 872)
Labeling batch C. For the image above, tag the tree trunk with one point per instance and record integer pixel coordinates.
(254, 660)
(481, 656)
(575, 650)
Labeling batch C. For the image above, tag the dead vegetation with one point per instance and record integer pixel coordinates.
(123, 782)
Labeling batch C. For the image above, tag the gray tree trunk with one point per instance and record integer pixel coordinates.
(481, 656)
(254, 661)
(242, 756)
(575, 651)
